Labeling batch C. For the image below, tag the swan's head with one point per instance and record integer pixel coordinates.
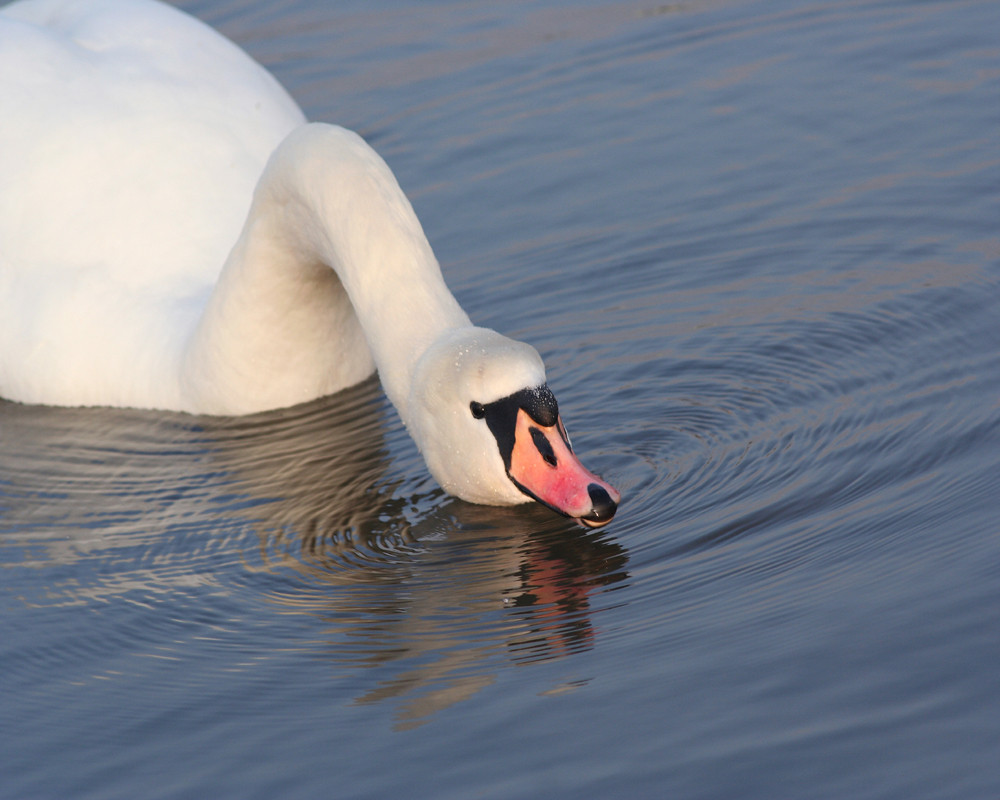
(489, 428)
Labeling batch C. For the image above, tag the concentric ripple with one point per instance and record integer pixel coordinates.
(241, 526)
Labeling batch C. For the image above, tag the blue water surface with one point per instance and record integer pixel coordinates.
(758, 246)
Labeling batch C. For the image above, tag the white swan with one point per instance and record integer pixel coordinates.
(140, 152)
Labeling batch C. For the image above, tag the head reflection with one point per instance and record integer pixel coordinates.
(420, 598)
(435, 607)
(416, 596)
(431, 594)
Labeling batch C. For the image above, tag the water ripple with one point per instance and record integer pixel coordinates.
(280, 522)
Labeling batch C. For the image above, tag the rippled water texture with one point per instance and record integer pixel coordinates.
(757, 245)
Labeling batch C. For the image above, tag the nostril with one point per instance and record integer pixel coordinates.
(544, 447)
(604, 507)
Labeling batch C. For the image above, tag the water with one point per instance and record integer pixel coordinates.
(757, 245)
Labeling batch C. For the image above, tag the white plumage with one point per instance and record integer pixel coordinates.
(173, 234)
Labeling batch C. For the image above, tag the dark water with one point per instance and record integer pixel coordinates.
(758, 245)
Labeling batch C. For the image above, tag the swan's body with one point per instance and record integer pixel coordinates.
(140, 154)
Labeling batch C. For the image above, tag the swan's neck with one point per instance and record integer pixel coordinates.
(332, 271)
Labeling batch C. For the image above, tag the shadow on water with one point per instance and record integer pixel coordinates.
(291, 520)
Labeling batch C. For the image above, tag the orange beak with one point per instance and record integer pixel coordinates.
(539, 458)
(544, 466)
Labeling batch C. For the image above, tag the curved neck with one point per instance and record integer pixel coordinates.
(332, 258)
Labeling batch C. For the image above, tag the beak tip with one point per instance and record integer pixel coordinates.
(603, 506)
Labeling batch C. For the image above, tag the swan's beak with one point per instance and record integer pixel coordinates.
(540, 460)
(544, 466)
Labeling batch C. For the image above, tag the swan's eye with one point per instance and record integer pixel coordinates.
(478, 409)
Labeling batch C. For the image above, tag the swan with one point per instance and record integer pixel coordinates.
(175, 235)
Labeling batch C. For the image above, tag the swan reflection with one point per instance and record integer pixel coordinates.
(429, 589)
(304, 509)
(439, 612)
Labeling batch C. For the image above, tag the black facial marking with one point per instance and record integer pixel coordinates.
(544, 447)
(501, 416)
